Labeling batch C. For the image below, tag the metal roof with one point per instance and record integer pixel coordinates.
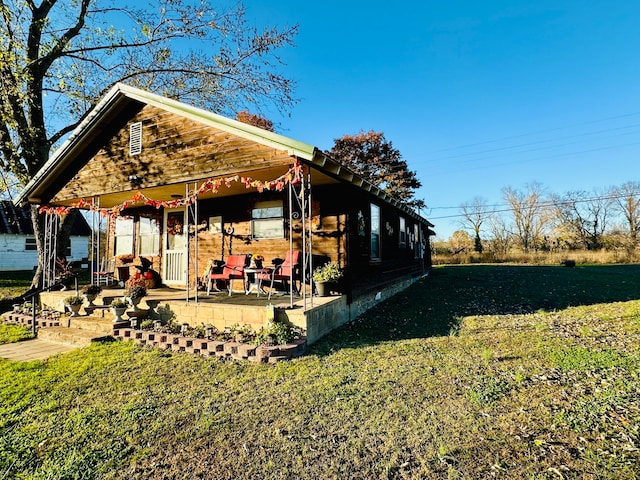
(16, 220)
(121, 94)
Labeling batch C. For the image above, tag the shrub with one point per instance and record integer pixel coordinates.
(74, 300)
(136, 291)
(91, 289)
(280, 332)
(329, 272)
(119, 303)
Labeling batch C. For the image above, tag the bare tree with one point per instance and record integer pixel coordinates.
(627, 198)
(529, 213)
(474, 214)
(585, 215)
(500, 236)
(59, 56)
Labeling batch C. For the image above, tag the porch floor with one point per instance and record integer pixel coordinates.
(317, 317)
(169, 294)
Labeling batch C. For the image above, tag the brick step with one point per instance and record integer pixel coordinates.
(26, 320)
(70, 336)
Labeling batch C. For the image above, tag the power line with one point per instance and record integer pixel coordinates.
(539, 142)
(544, 204)
(526, 160)
(537, 132)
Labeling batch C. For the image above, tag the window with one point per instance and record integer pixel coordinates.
(135, 138)
(149, 236)
(124, 235)
(375, 232)
(267, 220)
(418, 242)
(30, 244)
(403, 236)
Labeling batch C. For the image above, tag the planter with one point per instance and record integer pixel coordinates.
(75, 309)
(134, 301)
(90, 297)
(324, 288)
(151, 313)
(118, 312)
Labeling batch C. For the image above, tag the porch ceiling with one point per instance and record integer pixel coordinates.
(177, 190)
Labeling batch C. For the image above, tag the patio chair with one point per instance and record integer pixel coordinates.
(233, 269)
(106, 275)
(284, 272)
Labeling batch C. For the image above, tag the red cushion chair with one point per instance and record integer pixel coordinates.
(287, 271)
(233, 269)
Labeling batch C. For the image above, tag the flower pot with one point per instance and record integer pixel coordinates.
(90, 297)
(324, 288)
(134, 301)
(75, 309)
(152, 314)
(118, 312)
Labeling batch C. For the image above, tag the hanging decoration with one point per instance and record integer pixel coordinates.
(293, 176)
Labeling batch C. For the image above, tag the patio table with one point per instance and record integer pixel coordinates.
(255, 284)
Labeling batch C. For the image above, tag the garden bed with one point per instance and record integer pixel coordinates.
(211, 347)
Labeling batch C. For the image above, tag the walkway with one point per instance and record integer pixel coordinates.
(36, 349)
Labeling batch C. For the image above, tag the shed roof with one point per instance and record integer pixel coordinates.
(16, 220)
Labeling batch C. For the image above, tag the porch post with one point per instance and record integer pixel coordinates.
(96, 226)
(310, 235)
(50, 238)
(186, 242)
(196, 276)
(291, 242)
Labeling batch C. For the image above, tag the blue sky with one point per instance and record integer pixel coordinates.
(476, 95)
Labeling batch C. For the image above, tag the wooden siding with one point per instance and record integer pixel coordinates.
(174, 150)
(14, 256)
(335, 236)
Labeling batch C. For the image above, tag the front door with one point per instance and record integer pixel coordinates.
(174, 265)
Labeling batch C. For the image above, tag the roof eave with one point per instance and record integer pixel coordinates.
(341, 172)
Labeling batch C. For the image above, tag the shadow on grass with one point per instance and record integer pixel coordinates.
(435, 305)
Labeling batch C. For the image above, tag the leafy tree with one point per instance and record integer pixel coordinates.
(256, 120)
(59, 56)
(460, 242)
(373, 157)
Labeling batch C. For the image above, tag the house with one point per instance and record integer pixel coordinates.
(18, 244)
(182, 187)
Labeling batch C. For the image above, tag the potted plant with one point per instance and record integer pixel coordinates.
(64, 273)
(90, 292)
(135, 293)
(74, 303)
(118, 307)
(325, 277)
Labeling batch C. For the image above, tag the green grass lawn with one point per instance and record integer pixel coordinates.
(475, 372)
(14, 284)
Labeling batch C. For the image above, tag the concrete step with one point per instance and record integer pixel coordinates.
(70, 336)
(92, 323)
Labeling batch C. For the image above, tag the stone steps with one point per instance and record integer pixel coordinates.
(91, 324)
(65, 330)
(70, 336)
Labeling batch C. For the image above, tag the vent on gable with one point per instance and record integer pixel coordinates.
(135, 138)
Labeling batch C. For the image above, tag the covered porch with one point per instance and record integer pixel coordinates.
(218, 310)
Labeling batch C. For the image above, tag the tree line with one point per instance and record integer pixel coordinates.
(533, 220)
